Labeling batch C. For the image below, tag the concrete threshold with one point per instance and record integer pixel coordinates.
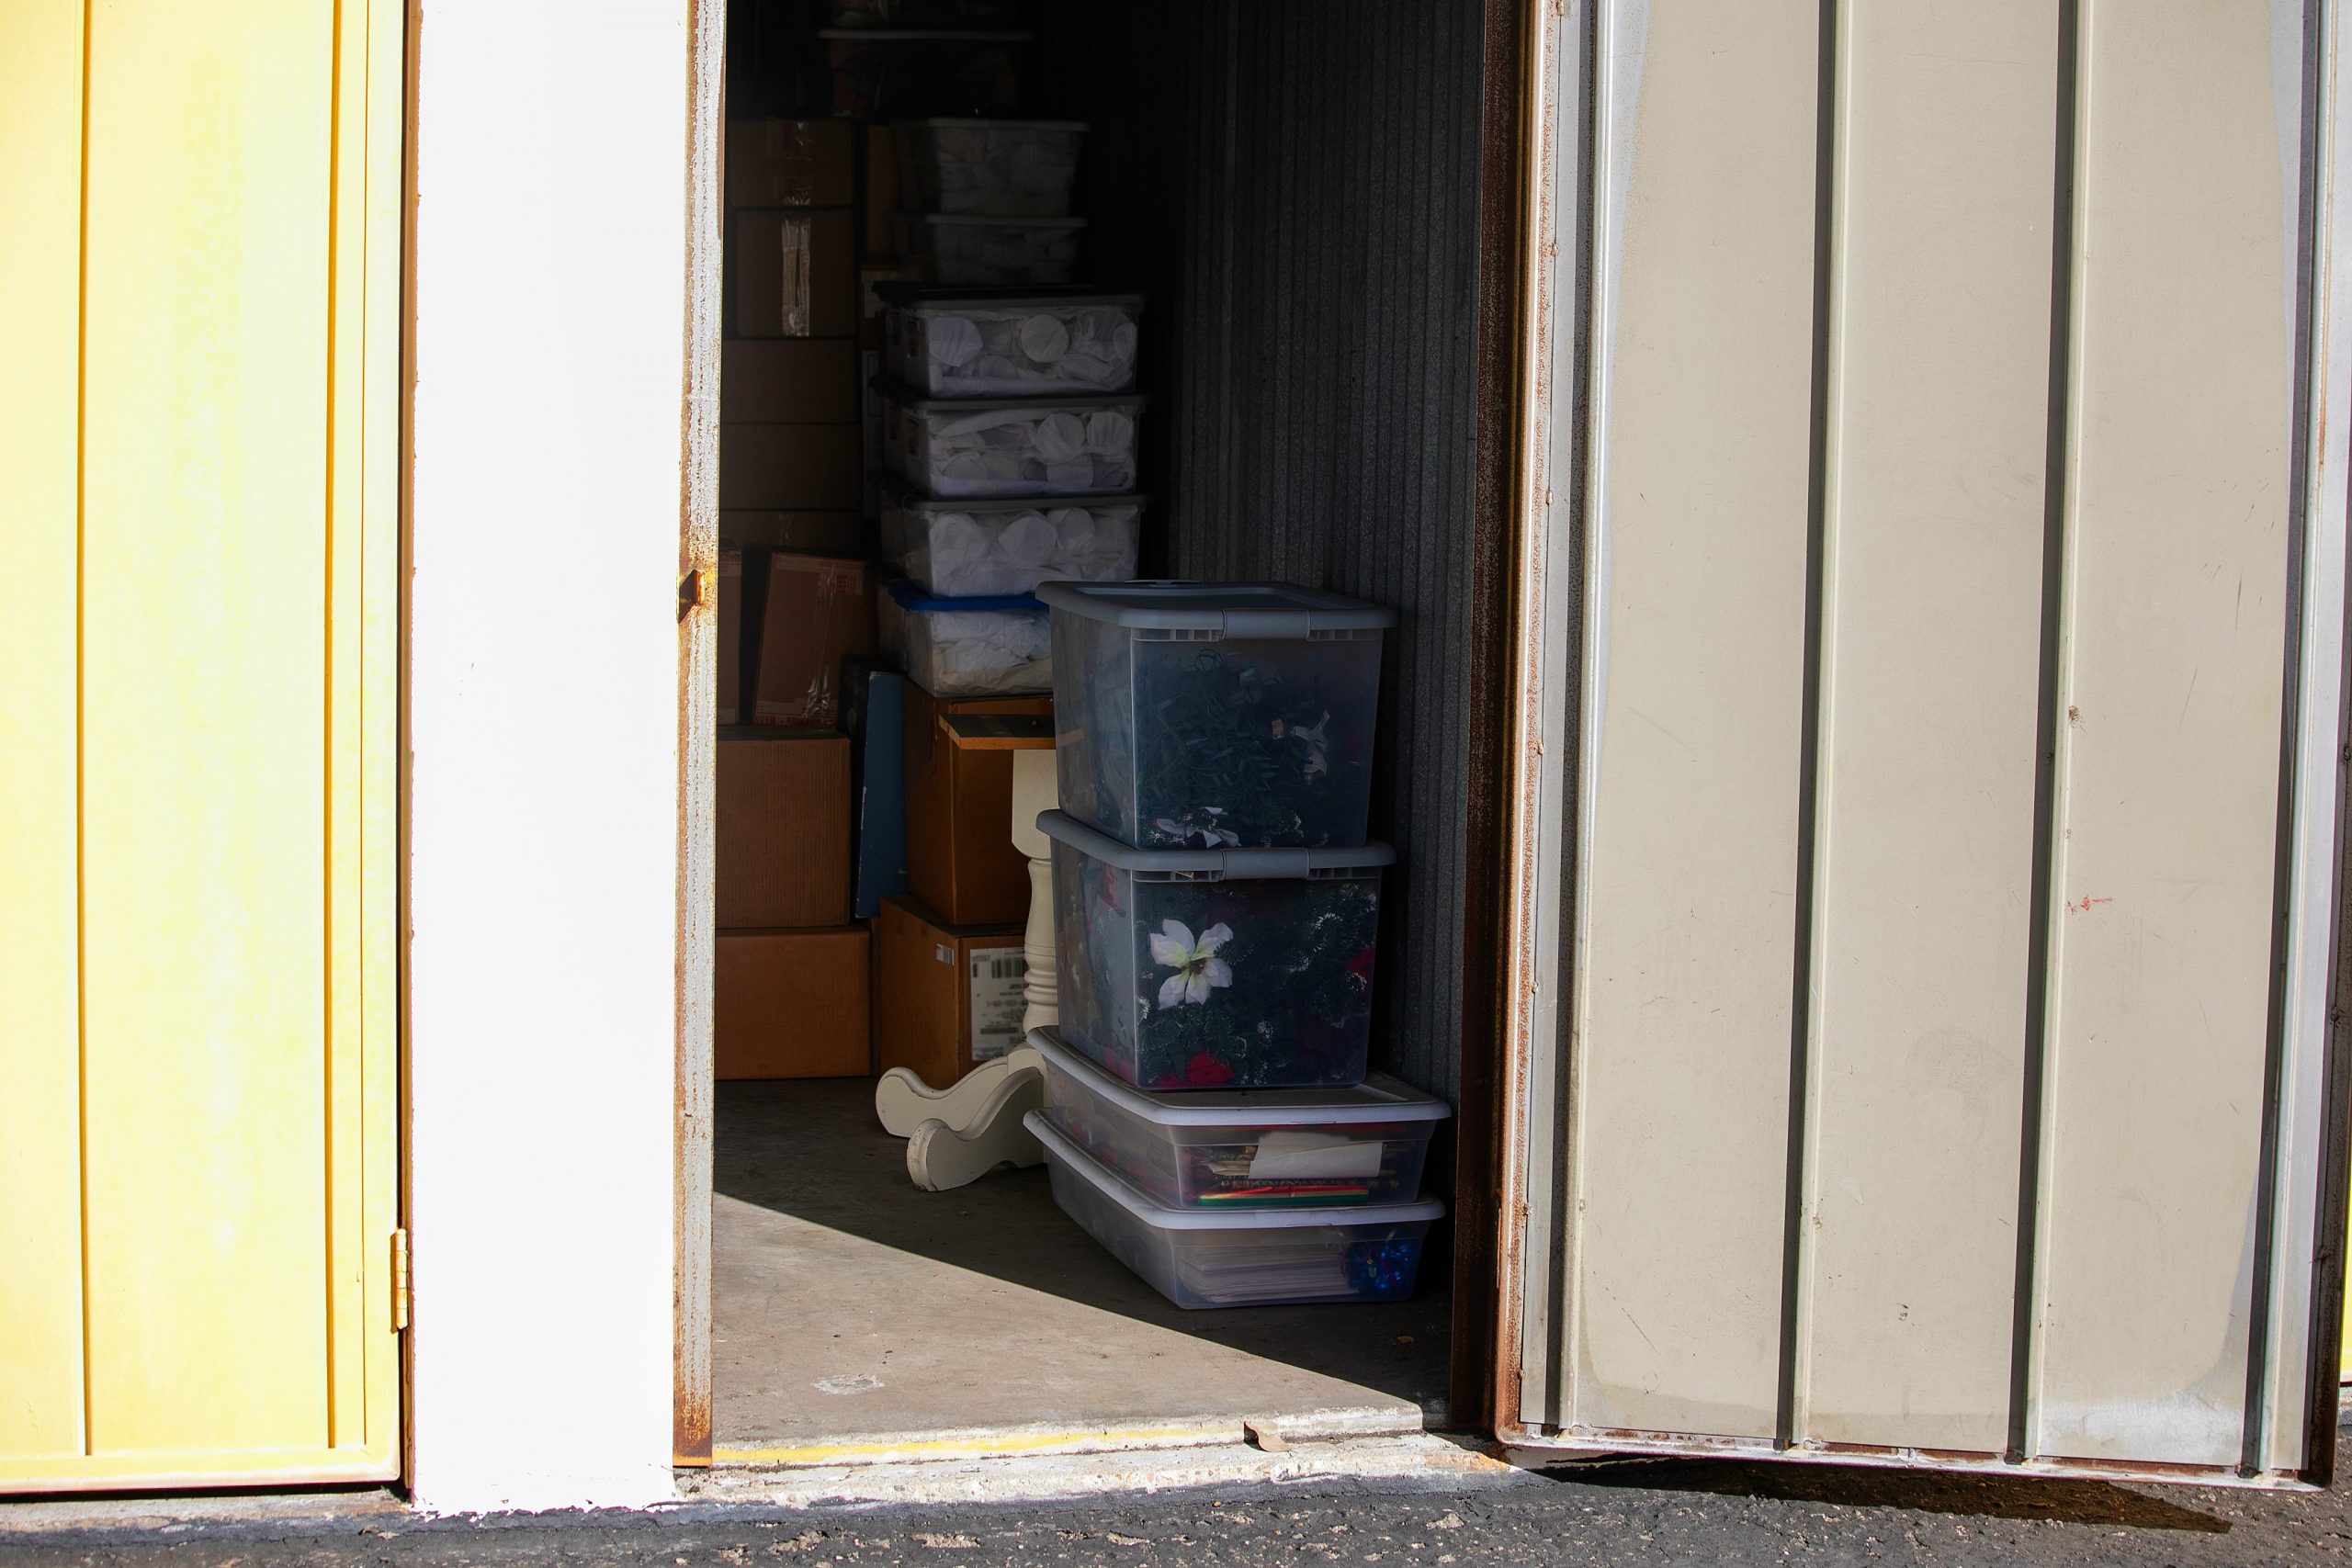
(1041, 1438)
(1413, 1461)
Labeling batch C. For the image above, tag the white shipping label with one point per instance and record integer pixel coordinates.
(1295, 1154)
(1000, 995)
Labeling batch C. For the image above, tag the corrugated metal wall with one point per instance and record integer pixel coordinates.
(1295, 184)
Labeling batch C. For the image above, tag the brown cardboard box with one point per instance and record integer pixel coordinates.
(960, 859)
(795, 272)
(789, 467)
(730, 653)
(789, 163)
(808, 532)
(787, 381)
(817, 609)
(946, 997)
(881, 193)
(792, 1004)
(783, 812)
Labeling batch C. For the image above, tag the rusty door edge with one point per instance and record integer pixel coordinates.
(698, 734)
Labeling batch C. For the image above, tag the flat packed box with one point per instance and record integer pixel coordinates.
(881, 192)
(793, 1004)
(730, 654)
(783, 825)
(816, 611)
(873, 699)
(808, 532)
(790, 162)
(788, 381)
(790, 467)
(947, 997)
(960, 859)
(792, 272)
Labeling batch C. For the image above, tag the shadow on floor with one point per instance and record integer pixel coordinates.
(811, 1149)
(1926, 1492)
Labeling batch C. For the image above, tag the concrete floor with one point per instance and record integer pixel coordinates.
(850, 1309)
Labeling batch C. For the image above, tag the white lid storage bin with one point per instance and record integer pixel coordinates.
(955, 247)
(1221, 1258)
(956, 342)
(1000, 168)
(1246, 1149)
(967, 647)
(1002, 446)
(1204, 714)
(1197, 969)
(972, 548)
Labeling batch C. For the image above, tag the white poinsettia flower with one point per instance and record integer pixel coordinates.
(1198, 968)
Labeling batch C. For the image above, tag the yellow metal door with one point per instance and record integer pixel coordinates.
(199, 312)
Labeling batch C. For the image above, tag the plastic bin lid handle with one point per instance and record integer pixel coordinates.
(1269, 626)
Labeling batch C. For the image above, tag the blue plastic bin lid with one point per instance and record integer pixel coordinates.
(909, 597)
(1380, 1100)
(1003, 296)
(1258, 611)
(1236, 865)
(899, 393)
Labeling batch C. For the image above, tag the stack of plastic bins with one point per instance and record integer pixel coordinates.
(1217, 910)
(1011, 430)
(991, 199)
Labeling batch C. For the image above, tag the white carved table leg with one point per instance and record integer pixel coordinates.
(1034, 790)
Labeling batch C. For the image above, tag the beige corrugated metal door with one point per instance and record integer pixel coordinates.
(1926, 1028)
(199, 439)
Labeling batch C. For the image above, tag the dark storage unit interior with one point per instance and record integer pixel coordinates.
(1294, 187)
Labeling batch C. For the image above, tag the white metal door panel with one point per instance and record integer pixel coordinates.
(1949, 798)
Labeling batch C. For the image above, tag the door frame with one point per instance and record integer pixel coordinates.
(1540, 764)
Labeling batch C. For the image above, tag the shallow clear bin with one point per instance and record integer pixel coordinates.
(966, 648)
(1214, 968)
(1000, 168)
(959, 247)
(1003, 447)
(1007, 545)
(1209, 1257)
(958, 342)
(1245, 1149)
(1216, 715)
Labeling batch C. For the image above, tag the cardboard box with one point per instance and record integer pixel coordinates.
(794, 272)
(793, 1004)
(789, 163)
(729, 655)
(817, 609)
(960, 859)
(946, 997)
(787, 381)
(880, 190)
(783, 822)
(808, 532)
(873, 699)
(789, 467)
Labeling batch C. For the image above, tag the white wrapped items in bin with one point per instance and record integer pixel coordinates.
(1010, 446)
(956, 341)
(963, 548)
(1002, 168)
(968, 648)
(956, 247)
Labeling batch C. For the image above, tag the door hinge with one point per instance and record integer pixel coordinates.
(400, 1281)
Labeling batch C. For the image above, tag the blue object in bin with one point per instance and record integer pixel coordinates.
(873, 699)
(911, 597)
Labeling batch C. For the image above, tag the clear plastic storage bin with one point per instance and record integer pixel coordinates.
(1010, 446)
(999, 168)
(966, 648)
(960, 549)
(954, 341)
(1210, 1258)
(959, 247)
(1207, 715)
(1250, 1149)
(1214, 968)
